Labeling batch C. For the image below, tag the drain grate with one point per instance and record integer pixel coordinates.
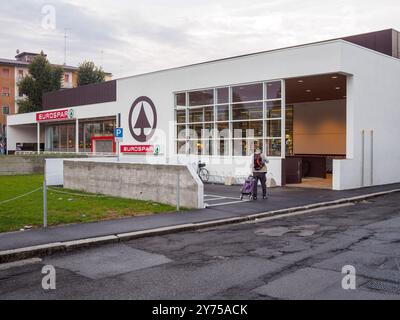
(385, 286)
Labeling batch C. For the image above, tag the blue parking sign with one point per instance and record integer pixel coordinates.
(119, 133)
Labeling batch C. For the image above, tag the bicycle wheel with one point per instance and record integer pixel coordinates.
(204, 174)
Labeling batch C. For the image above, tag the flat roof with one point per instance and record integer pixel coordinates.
(344, 39)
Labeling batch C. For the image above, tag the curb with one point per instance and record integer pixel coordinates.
(67, 246)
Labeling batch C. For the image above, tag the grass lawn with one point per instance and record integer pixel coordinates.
(64, 206)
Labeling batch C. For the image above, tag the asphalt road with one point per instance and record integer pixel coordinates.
(296, 257)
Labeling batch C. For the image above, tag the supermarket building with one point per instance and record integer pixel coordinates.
(325, 112)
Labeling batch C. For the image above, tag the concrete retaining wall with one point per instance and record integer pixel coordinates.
(25, 164)
(135, 181)
(12, 165)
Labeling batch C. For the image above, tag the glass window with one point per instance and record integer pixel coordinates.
(274, 90)
(246, 147)
(196, 147)
(208, 131)
(196, 115)
(222, 147)
(274, 109)
(180, 99)
(223, 113)
(247, 129)
(89, 129)
(247, 111)
(195, 131)
(222, 95)
(273, 128)
(181, 116)
(181, 132)
(207, 147)
(232, 120)
(6, 110)
(209, 114)
(181, 147)
(222, 130)
(273, 147)
(289, 130)
(240, 148)
(201, 98)
(6, 73)
(252, 92)
(6, 91)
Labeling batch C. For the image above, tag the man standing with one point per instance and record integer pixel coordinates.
(259, 168)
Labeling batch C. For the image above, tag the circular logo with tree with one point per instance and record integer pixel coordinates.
(142, 119)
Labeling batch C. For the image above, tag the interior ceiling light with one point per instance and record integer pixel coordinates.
(337, 88)
(308, 90)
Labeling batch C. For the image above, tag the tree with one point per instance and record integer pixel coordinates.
(89, 73)
(43, 77)
(142, 123)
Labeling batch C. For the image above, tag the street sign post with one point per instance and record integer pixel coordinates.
(119, 134)
(119, 137)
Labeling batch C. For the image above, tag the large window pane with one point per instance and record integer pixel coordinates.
(247, 129)
(274, 109)
(273, 147)
(251, 92)
(195, 131)
(181, 132)
(222, 130)
(246, 147)
(223, 147)
(89, 129)
(223, 113)
(274, 90)
(274, 128)
(195, 147)
(208, 131)
(201, 98)
(247, 111)
(181, 147)
(222, 95)
(289, 130)
(180, 99)
(208, 146)
(196, 115)
(180, 116)
(209, 114)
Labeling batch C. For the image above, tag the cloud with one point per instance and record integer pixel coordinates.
(129, 37)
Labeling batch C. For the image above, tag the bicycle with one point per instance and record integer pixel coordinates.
(202, 172)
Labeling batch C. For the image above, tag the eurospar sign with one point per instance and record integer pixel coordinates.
(57, 115)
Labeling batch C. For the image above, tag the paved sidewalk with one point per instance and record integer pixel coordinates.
(279, 198)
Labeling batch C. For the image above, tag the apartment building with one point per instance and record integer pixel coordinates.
(11, 72)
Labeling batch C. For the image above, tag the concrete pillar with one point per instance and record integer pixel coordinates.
(38, 138)
(76, 136)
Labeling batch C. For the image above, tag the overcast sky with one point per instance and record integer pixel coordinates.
(129, 37)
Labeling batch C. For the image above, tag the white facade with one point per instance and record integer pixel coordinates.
(372, 103)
